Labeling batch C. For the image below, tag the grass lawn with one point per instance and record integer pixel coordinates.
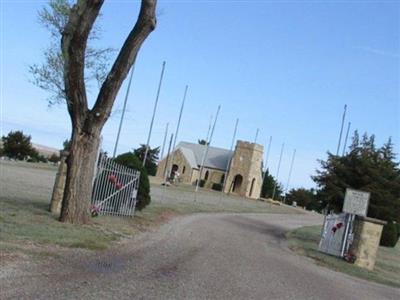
(27, 227)
(29, 222)
(387, 268)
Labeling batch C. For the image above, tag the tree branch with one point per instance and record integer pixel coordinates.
(73, 46)
(145, 24)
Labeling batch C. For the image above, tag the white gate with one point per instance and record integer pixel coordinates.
(336, 234)
(115, 188)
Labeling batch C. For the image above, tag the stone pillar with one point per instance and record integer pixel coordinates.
(59, 184)
(367, 234)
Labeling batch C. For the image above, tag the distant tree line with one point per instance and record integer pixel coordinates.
(268, 185)
(17, 145)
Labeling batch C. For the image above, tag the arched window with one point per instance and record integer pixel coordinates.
(206, 176)
(252, 186)
(184, 169)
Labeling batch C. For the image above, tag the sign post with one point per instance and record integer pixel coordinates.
(355, 203)
(337, 233)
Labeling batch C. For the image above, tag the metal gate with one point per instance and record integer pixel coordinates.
(336, 235)
(115, 188)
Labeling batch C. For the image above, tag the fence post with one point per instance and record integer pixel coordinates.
(59, 184)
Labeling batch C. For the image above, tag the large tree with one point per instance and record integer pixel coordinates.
(18, 145)
(303, 197)
(87, 122)
(366, 168)
(49, 75)
(151, 159)
(268, 185)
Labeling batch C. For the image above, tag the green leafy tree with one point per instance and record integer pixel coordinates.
(36, 157)
(67, 74)
(17, 145)
(151, 160)
(54, 158)
(268, 187)
(49, 75)
(303, 197)
(202, 142)
(390, 235)
(365, 167)
(67, 145)
(130, 160)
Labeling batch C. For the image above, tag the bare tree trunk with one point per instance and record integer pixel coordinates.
(87, 123)
(78, 187)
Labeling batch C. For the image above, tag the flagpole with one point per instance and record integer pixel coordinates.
(277, 172)
(154, 114)
(290, 175)
(166, 162)
(266, 162)
(123, 111)
(209, 128)
(178, 126)
(255, 140)
(341, 130)
(230, 159)
(164, 141)
(207, 147)
(347, 136)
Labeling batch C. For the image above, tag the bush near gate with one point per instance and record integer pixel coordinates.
(217, 187)
(130, 160)
(398, 231)
(390, 235)
(202, 183)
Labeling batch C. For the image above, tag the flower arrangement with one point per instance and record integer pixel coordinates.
(94, 210)
(350, 257)
(114, 180)
(336, 227)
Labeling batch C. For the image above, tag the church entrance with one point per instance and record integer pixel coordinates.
(174, 170)
(237, 184)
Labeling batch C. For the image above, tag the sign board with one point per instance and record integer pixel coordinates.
(356, 202)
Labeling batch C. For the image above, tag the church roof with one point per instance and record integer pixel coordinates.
(217, 158)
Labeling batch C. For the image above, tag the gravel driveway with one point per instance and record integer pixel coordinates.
(203, 256)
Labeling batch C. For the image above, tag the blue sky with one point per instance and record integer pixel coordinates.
(286, 67)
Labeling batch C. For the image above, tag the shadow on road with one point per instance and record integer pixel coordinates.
(257, 226)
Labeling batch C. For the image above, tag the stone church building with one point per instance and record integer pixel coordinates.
(241, 166)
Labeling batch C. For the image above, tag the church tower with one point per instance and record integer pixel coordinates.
(244, 174)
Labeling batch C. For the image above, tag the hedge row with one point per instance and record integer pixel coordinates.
(390, 234)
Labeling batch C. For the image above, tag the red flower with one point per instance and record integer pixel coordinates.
(112, 178)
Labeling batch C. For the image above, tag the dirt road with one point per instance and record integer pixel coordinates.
(204, 256)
